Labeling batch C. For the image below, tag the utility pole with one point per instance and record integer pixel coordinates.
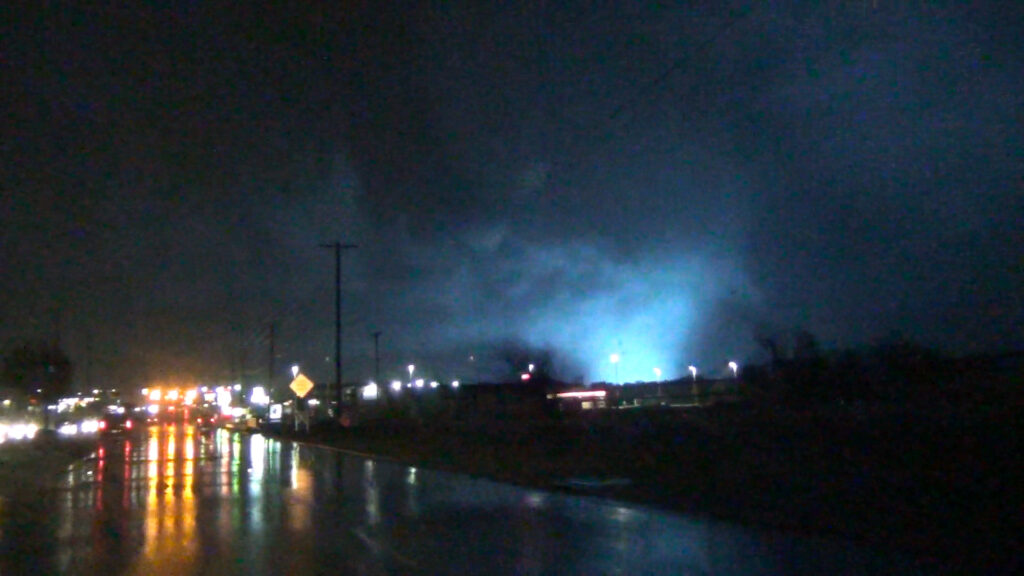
(270, 363)
(376, 365)
(338, 247)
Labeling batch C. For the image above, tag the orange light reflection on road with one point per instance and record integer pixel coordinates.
(169, 531)
(300, 512)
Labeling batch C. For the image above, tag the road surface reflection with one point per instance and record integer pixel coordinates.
(177, 500)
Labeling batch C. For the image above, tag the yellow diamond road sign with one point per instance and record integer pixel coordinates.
(301, 385)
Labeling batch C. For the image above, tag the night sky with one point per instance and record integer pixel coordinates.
(662, 181)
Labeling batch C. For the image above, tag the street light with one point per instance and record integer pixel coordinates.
(411, 369)
(693, 371)
(657, 373)
(734, 367)
(614, 358)
(295, 370)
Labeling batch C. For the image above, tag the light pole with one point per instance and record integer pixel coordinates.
(411, 368)
(734, 367)
(614, 358)
(338, 247)
(376, 355)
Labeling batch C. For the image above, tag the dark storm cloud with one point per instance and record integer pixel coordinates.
(650, 180)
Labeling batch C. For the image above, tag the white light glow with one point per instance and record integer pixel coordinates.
(22, 431)
(223, 397)
(259, 396)
(370, 391)
(396, 385)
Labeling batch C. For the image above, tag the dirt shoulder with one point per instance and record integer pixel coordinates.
(941, 489)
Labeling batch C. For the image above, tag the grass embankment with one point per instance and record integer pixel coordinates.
(945, 488)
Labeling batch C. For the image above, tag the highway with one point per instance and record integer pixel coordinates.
(179, 501)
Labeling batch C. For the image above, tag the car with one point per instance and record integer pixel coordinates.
(116, 422)
(206, 420)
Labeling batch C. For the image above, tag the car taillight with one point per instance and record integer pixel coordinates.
(103, 425)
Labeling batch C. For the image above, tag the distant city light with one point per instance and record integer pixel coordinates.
(224, 397)
(259, 396)
(734, 367)
(396, 385)
(455, 383)
(370, 391)
(657, 373)
(582, 394)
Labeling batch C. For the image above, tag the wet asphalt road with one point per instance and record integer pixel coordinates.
(180, 501)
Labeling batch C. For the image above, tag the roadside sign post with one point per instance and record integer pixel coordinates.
(301, 386)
